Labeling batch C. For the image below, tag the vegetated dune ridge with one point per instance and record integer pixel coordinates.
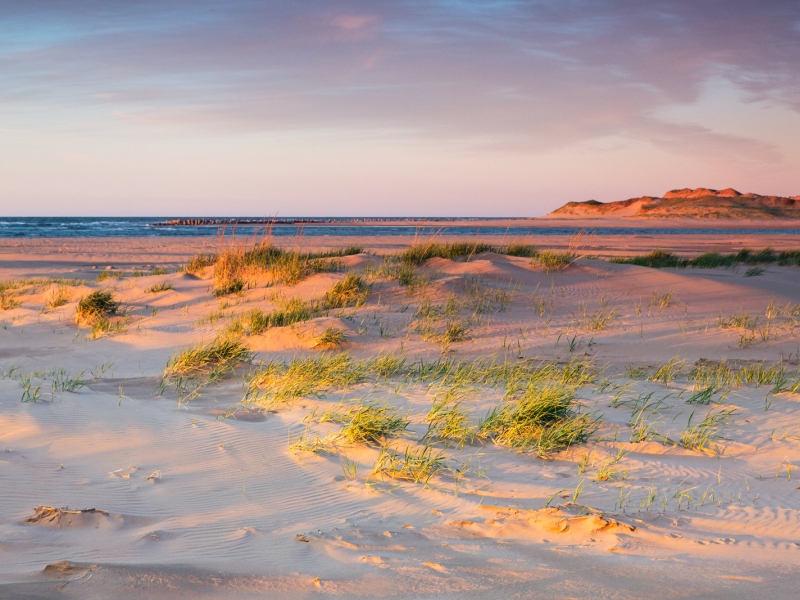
(172, 496)
(684, 203)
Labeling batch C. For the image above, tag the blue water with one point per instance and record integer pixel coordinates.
(47, 227)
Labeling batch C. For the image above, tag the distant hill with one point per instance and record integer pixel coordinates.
(698, 203)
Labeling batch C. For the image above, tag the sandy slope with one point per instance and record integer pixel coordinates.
(700, 203)
(197, 505)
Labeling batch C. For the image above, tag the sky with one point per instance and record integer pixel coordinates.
(407, 107)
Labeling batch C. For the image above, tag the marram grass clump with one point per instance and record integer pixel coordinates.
(367, 423)
(278, 382)
(220, 354)
(351, 291)
(98, 305)
(543, 419)
(237, 266)
(287, 312)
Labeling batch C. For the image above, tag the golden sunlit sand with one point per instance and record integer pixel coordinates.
(363, 425)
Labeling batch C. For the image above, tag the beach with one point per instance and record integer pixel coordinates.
(136, 484)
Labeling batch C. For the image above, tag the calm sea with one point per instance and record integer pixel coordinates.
(46, 227)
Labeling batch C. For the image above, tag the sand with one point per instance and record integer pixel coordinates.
(114, 491)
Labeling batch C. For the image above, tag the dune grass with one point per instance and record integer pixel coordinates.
(286, 313)
(58, 296)
(199, 262)
(543, 419)
(11, 288)
(520, 249)
(351, 291)
(219, 355)
(705, 435)
(551, 260)
(162, 286)
(418, 465)
(278, 382)
(8, 301)
(721, 375)
(448, 422)
(237, 265)
(367, 423)
(419, 253)
(331, 337)
(95, 307)
(664, 259)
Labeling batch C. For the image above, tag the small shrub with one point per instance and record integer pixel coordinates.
(98, 305)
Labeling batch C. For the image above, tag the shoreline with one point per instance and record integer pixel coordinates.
(90, 254)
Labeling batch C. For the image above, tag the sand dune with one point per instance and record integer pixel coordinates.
(115, 490)
(701, 203)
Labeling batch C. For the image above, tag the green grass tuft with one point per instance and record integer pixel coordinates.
(412, 464)
(554, 261)
(351, 291)
(95, 307)
(220, 354)
(332, 337)
(419, 253)
(159, 287)
(543, 419)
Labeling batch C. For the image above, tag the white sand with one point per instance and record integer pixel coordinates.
(231, 513)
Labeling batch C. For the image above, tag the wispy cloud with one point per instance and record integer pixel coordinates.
(526, 77)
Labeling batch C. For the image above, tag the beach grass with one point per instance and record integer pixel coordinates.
(162, 286)
(96, 307)
(664, 259)
(220, 354)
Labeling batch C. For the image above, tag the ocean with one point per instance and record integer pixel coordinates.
(102, 227)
